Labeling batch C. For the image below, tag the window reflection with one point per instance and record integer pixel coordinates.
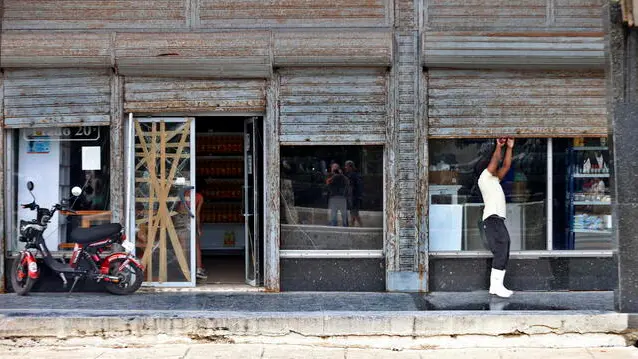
(456, 205)
(57, 159)
(332, 197)
(579, 197)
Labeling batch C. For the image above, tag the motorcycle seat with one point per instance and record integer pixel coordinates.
(95, 234)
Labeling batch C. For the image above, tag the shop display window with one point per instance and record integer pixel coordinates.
(55, 160)
(557, 194)
(332, 197)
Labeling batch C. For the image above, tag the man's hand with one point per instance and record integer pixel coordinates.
(510, 142)
(500, 142)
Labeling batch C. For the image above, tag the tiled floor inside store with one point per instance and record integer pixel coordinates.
(224, 269)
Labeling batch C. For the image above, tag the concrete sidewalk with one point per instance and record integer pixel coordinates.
(302, 352)
(365, 320)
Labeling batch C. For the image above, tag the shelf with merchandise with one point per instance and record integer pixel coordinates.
(589, 203)
(219, 143)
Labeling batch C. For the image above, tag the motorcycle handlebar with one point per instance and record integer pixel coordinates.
(32, 206)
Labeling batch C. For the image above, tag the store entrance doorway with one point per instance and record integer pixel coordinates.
(229, 170)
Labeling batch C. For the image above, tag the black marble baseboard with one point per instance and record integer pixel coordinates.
(352, 275)
(544, 274)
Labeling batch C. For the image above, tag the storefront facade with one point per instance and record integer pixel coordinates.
(409, 93)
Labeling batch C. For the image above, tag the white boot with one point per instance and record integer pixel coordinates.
(496, 284)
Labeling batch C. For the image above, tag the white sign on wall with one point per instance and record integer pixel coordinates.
(91, 158)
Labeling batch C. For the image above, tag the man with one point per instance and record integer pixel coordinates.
(337, 195)
(356, 193)
(494, 214)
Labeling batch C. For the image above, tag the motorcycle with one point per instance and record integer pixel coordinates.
(120, 271)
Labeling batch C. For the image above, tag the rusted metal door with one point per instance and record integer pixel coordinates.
(489, 103)
(162, 169)
(57, 97)
(151, 95)
(333, 106)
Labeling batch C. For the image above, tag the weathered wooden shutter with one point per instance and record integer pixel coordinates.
(230, 54)
(82, 14)
(489, 103)
(57, 97)
(295, 13)
(172, 95)
(334, 106)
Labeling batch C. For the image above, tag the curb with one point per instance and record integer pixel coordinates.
(365, 329)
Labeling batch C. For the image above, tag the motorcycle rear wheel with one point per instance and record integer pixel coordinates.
(131, 278)
(21, 286)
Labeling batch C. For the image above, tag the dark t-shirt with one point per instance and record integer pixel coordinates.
(356, 183)
(338, 185)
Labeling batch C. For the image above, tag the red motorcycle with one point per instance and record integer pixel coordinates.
(120, 271)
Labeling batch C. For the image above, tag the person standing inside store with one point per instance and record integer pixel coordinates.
(494, 214)
(337, 195)
(356, 192)
(199, 203)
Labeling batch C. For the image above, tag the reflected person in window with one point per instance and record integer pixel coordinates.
(494, 214)
(338, 186)
(355, 196)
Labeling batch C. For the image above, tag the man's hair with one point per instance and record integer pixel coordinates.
(349, 164)
(485, 153)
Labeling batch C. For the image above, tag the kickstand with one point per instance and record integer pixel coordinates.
(75, 281)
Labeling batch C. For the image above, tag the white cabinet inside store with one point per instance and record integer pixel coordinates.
(220, 180)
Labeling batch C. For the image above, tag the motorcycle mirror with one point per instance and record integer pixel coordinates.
(30, 186)
(76, 191)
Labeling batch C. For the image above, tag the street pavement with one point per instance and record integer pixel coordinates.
(290, 351)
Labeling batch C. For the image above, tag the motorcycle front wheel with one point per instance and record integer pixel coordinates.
(20, 280)
(131, 278)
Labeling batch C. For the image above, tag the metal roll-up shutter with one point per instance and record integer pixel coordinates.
(57, 97)
(489, 103)
(333, 106)
(175, 95)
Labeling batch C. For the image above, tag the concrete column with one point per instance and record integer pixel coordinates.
(623, 123)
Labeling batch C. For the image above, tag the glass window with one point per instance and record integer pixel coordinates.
(55, 160)
(578, 191)
(582, 199)
(332, 197)
(456, 205)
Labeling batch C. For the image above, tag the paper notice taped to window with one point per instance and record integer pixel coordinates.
(91, 158)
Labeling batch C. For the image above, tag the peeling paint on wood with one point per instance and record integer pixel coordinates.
(390, 152)
(272, 190)
(237, 54)
(94, 14)
(165, 95)
(514, 15)
(49, 49)
(333, 48)
(117, 171)
(581, 14)
(485, 49)
(298, 13)
(337, 105)
(405, 148)
(473, 14)
(488, 103)
(2, 189)
(422, 195)
(57, 97)
(406, 14)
